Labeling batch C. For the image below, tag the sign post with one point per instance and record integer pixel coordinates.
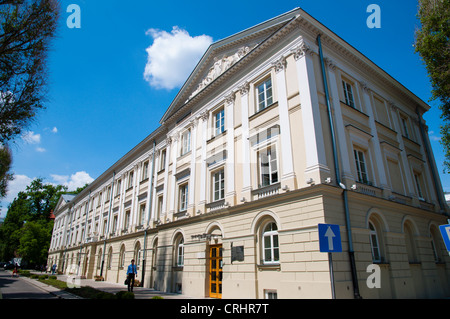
(330, 242)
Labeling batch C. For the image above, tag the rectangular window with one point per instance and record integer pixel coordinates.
(144, 171)
(127, 219)
(218, 185)
(162, 160)
(361, 170)
(405, 127)
(348, 94)
(119, 184)
(419, 188)
(160, 207)
(219, 122)
(130, 179)
(186, 142)
(268, 166)
(264, 91)
(183, 197)
(141, 219)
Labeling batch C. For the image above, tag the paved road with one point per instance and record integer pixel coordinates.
(15, 288)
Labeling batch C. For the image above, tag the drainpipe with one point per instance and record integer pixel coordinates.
(430, 163)
(351, 252)
(150, 200)
(107, 223)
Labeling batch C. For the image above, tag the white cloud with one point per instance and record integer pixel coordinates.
(18, 184)
(74, 181)
(40, 149)
(173, 56)
(433, 137)
(31, 138)
(54, 130)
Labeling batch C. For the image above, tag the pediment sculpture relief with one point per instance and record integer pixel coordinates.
(219, 67)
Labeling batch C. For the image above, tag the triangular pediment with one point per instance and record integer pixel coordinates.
(63, 200)
(222, 55)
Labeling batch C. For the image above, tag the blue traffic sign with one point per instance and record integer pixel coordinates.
(445, 231)
(330, 238)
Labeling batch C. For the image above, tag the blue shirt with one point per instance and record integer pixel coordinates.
(131, 269)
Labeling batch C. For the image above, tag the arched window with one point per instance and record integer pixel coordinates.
(374, 243)
(122, 256)
(270, 249)
(179, 251)
(436, 244)
(410, 243)
(110, 252)
(137, 254)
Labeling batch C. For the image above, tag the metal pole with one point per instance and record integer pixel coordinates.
(330, 262)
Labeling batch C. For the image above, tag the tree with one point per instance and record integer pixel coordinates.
(26, 28)
(433, 45)
(5, 166)
(26, 231)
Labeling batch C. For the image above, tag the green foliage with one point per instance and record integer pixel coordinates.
(433, 45)
(26, 29)
(124, 295)
(26, 231)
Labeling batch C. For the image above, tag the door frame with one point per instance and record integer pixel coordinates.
(217, 271)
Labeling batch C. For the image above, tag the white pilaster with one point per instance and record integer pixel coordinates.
(230, 165)
(246, 178)
(288, 173)
(192, 188)
(376, 142)
(204, 117)
(339, 124)
(166, 178)
(312, 126)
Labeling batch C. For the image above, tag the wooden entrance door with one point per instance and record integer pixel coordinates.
(215, 271)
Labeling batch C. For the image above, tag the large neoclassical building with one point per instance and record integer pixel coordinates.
(279, 128)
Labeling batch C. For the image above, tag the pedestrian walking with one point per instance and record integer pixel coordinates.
(53, 269)
(131, 274)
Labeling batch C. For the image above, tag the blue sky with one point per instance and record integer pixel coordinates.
(101, 105)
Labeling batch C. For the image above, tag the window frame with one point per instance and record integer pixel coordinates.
(266, 100)
(268, 152)
(374, 242)
(357, 160)
(221, 184)
(347, 100)
(218, 129)
(183, 193)
(274, 250)
(185, 146)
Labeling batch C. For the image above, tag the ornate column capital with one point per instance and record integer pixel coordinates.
(279, 64)
(364, 86)
(204, 115)
(301, 50)
(330, 64)
(229, 98)
(244, 88)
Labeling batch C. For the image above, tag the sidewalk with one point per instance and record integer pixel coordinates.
(139, 292)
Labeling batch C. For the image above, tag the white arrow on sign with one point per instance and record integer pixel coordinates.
(329, 233)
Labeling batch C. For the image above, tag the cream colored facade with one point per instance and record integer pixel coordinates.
(225, 197)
